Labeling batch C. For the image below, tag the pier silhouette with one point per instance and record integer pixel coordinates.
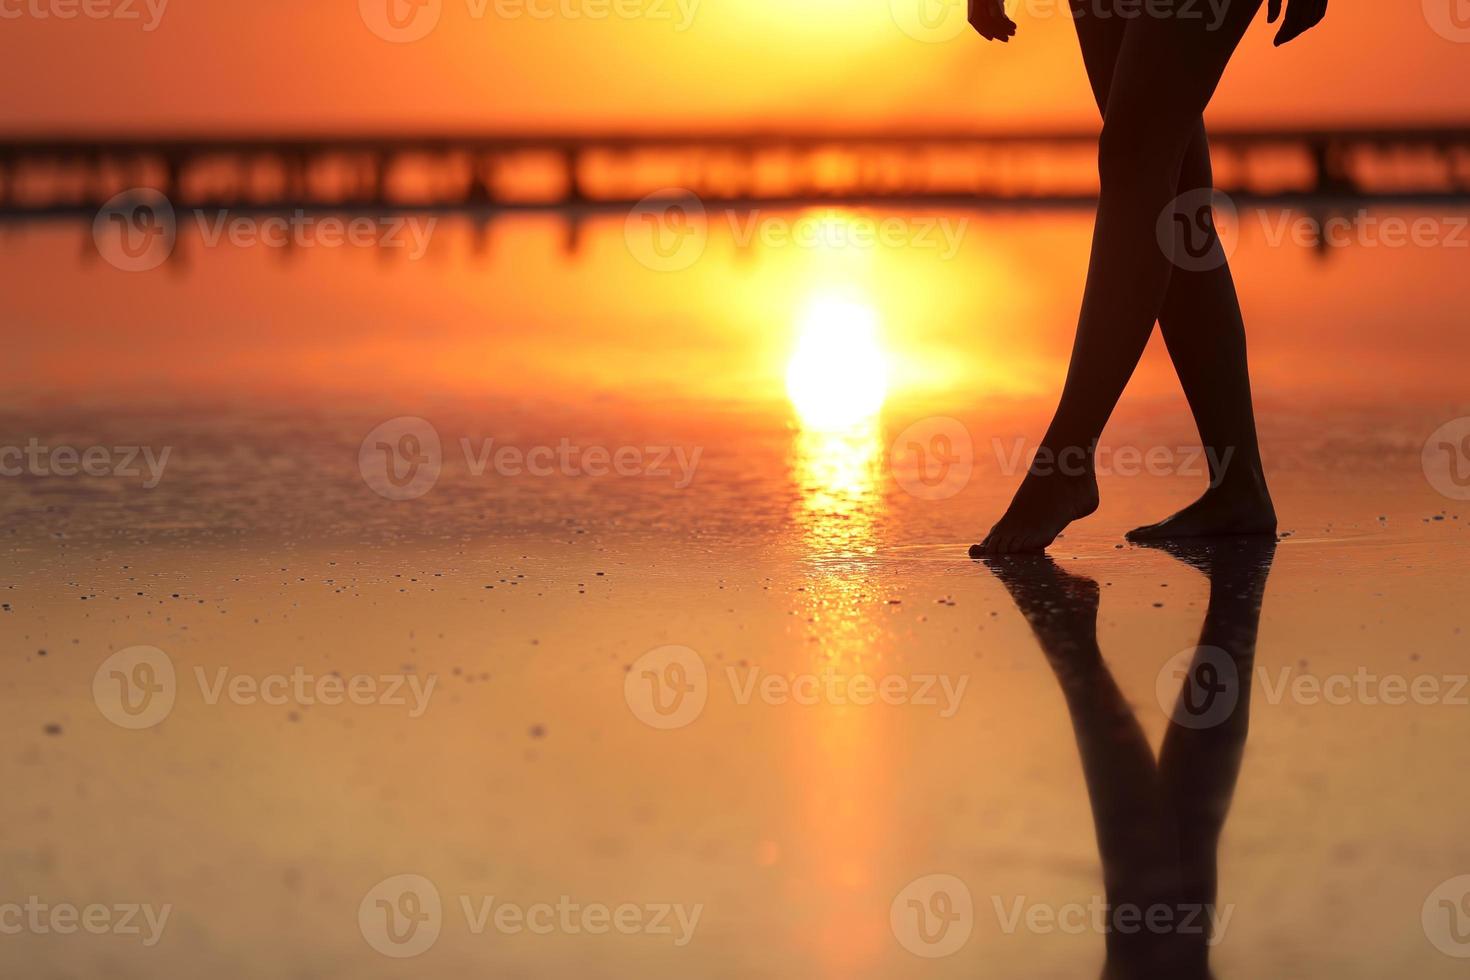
(75, 175)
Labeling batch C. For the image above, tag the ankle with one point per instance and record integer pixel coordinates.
(1244, 478)
(1065, 460)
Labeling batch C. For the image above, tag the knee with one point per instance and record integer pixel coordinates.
(1135, 151)
(1195, 172)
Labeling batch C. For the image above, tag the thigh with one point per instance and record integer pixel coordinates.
(1101, 38)
(1100, 29)
(1170, 61)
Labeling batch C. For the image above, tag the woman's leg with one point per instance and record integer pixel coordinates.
(1205, 335)
(1164, 73)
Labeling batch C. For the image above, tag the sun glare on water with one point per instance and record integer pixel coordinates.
(838, 374)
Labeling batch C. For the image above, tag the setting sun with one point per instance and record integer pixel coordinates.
(838, 373)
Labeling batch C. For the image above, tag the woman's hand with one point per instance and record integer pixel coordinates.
(989, 18)
(1301, 16)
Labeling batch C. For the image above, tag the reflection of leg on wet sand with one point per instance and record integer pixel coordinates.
(1199, 765)
(1158, 823)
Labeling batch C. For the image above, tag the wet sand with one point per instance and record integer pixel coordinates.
(793, 820)
(769, 723)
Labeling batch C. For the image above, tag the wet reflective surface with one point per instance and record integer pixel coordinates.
(674, 678)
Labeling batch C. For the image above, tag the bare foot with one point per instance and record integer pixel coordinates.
(1224, 510)
(1041, 508)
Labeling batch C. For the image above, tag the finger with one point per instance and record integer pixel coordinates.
(983, 19)
(1273, 10)
(1000, 24)
(1004, 18)
(1289, 23)
(976, 16)
(1299, 19)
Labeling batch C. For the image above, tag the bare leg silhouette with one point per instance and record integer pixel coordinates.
(1153, 76)
(1205, 336)
(1158, 825)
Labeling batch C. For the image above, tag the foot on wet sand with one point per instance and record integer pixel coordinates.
(1223, 510)
(1042, 507)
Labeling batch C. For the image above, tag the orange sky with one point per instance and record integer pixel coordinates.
(711, 63)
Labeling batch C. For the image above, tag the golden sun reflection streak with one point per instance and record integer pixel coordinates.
(838, 474)
(840, 753)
